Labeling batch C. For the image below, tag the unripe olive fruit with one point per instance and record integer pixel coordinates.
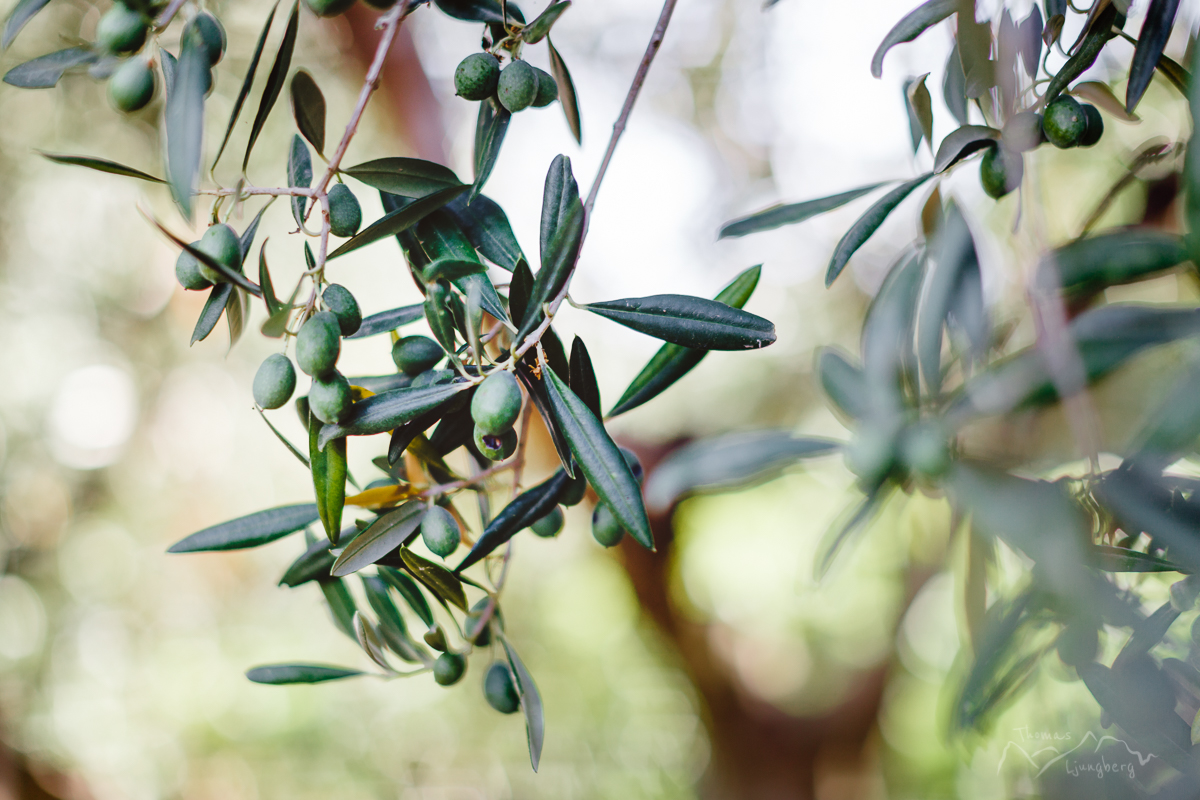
(547, 89)
(1095, 125)
(1000, 171)
(496, 403)
(343, 306)
(440, 532)
(319, 344)
(477, 76)
(121, 30)
(328, 8)
(1064, 122)
(496, 448)
(187, 271)
(275, 381)
(131, 86)
(345, 214)
(635, 464)
(518, 86)
(330, 397)
(549, 525)
(212, 33)
(435, 637)
(415, 354)
(500, 689)
(483, 636)
(449, 668)
(925, 449)
(222, 245)
(1023, 132)
(605, 528)
(573, 494)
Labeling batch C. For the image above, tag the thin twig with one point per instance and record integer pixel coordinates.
(246, 191)
(660, 30)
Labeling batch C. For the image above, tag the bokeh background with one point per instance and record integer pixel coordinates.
(121, 667)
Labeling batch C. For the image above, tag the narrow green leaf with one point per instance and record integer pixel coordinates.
(170, 66)
(556, 269)
(383, 536)
(21, 14)
(920, 110)
(954, 87)
(246, 240)
(537, 30)
(961, 143)
(778, 216)
(291, 447)
(299, 175)
(451, 269)
(392, 629)
(846, 528)
(1088, 51)
(407, 177)
(247, 84)
(235, 315)
(672, 361)
(264, 283)
(689, 321)
(916, 22)
(312, 565)
(1119, 559)
(280, 674)
(410, 591)
(1112, 258)
(524, 510)
(599, 458)
(308, 108)
(560, 197)
(251, 530)
(341, 605)
(184, 121)
(479, 10)
(210, 315)
(439, 580)
(867, 224)
(389, 410)
(1140, 500)
(490, 129)
(327, 461)
(583, 377)
(539, 394)
(486, 226)
(955, 270)
(386, 321)
(45, 71)
(101, 165)
(567, 96)
(232, 276)
(531, 704)
(728, 462)
(399, 220)
(275, 80)
(843, 382)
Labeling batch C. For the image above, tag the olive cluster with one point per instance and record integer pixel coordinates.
(220, 243)
(1065, 123)
(516, 87)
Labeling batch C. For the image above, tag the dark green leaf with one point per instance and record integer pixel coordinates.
(843, 382)
(451, 269)
(386, 321)
(728, 462)
(1112, 258)
(251, 530)
(490, 129)
(184, 120)
(399, 220)
(25, 11)
(961, 143)
(312, 565)
(954, 87)
(556, 270)
(264, 283)
(540, 396)
(410, 591)
(1139, 698)
(279, 674)
(1089, 50)
(916, 22)
(560, 197)
(524, 510)
(284, 441)
(341, 605)
(327, 460)
(379, 384)
(389, 410)
(672, 361)
(486, 226)
(275, 80)
(391, 625)
(599, 458)
(300, 174)
(867, 224)
(479, 10)
(1030, 36)
(1141, 501)
(439, 580)
(308, 107)
(407, 177)
(101, 165)
(689, 321)
(247, 84)
(583, 377)
(1119, 559)
(567, 96)
(218, 299)
(383, 536)
(778, 216)
(1160, 18)
(45, 71)
(246, 240)
(531, 704)
(540, 27)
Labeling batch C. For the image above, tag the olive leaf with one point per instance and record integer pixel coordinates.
(327, 460)
(560, 197)
(867, 224)
(556, 269)
(312, 565)
(281, 674)
(792, 213)
(846, 528)
(308, 108)
(410, 591)
(233, 276)
(583, 377)
(386, 321)
(843, 382)
(1173, 426)
(210, 315)
(727, 462)
(567, 96)
(439, 580)
(920, 110)
(275, 80)
(490, 128)
(1098, 35)
(246, 240)
(341, 605)
(1119, 559)
(599, 458)
(537, 30)
(955, 271)
(247, 83)
(673, 361)
(24, 11)
(540, 395)
(101, 165)
(524, 510)
(954, 87)
(268, 288)
(44, 72)
(389, 410)
(961, 143)
(1142, 502)
(486, 226)
(299, 175)
(251, 530)
(399, 220)
(1112, 258)
(916, 22)
(689, 321)
(383, 536)
(1029, 33)
(480, 10)
(235, 315)
(184, 121)
(391, 627)
(531, 704)
(407, 177)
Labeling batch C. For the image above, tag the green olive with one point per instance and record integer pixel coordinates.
(518, 86)
(496, 448)
(415, 354)
(330, 398)
(319, 344)
(211, 32)
(221, 244)
(449, 668)
(500, 689)
(343, 306)
(345, 214)
(1000, 171)
(440, 532)
(187, 271)
(275, 381)
(477, 76)
(1095, 125)
(573, 494)
(1064, 122)
(496, 404)
(122, 30)
(605, 528)
(548, 526)
(547, 89)
(131, 86)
